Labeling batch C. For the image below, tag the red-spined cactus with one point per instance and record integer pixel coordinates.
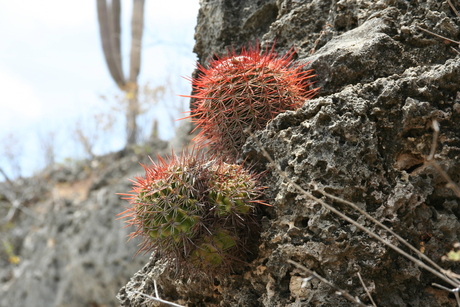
(195, 211)
(243, 92)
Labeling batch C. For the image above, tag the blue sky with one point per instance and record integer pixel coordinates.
(52, 70)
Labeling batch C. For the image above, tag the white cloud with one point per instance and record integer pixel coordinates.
(173, 11)
(20, 104)
(48, 14)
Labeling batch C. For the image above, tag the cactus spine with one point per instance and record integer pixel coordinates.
(195, 211)
(240, 92)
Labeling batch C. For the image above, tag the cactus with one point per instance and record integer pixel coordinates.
(244, 91)
(195, 211)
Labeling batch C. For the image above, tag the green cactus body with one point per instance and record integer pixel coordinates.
(213, 251)
(196, 211)
(231, 190)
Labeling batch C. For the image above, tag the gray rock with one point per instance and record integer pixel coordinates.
(365, 139)
(72, 249)
(74, 253)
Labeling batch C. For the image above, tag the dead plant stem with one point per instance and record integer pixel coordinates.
(453, 8)
(341, 292)
(158, 299)
(365, 289)
(437, 35)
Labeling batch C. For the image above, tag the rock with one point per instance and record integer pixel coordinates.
(71, 250)
(364, 138)
(349, 144)
(74, 252)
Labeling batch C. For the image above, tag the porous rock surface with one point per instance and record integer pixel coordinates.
(72, 251)
(364, 138)
(65, 246)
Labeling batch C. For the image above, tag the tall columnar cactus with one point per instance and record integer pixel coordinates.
(240, 92)
(108, 13)
(197, 212)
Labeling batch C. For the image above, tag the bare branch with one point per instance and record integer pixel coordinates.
(348, 219)
(454, 291)
(365, 289)
(158, 299)
(339, 291)
(7, 179)
(430, 160)
(369, 217)
(453, 8)
(156, 289)
(434, 142)
(16, 205)
(458, 52)
(48, 146)
(437, 35)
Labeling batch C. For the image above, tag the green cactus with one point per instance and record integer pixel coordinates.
(196, 211)
(214, 250)
(231, 190)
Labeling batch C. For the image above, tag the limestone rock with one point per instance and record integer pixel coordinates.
(364, 138)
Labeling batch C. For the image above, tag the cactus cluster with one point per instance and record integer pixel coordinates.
(197, 212)
(240, 92)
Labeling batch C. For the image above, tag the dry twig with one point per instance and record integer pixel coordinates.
(430, 159)
(453, 8)
(158, 299)
(454, 291)
(437, 271)
(365, 289)
(339, 291)
(13, 199)
(439, 36)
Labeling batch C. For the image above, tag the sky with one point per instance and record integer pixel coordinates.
(53, 73)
